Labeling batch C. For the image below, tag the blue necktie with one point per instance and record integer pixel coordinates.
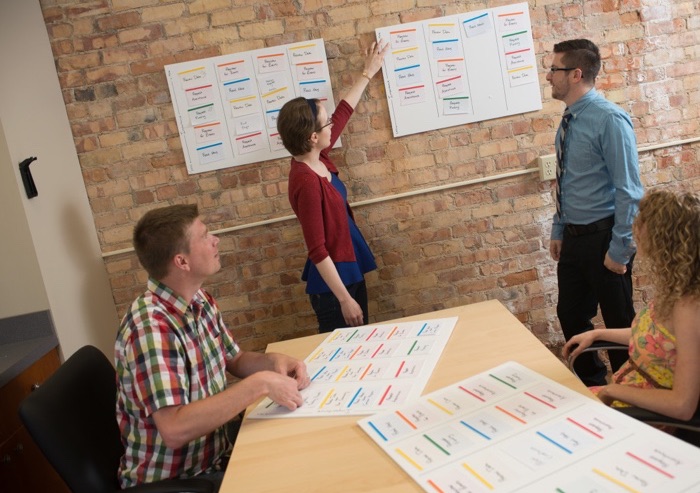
(560, 156)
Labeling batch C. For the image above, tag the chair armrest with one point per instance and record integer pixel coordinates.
(651, 417)
(607, 345)
(597, 346)
(189, 485)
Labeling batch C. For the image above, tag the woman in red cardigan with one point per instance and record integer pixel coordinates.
(338, 254)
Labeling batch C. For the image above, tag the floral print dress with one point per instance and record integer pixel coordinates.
(652, 356)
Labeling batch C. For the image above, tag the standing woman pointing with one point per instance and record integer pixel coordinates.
(338, 254)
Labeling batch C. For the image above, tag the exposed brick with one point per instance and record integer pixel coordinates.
(52, 13)
(201, 6)
(140, 34)
(87, 10)
(142, 149)
(81, 27)
(124, 201)
(96, 42)
(84, 94)
(99, 157)
(124, 54)
(167, 160)
(206, 52)
(185, 25)
(259, 30)
(115, 22)
(437, 249)
(171, 45)
(132, 4)
(106, 90)
(86, 144)
(143, 197)
(93, 127)
(162, 12)
(233, 16)
(95, 175)
(105, 74)
(60, 30)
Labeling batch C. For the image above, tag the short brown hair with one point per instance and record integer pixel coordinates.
(161, 234)
(582, 54)
(296, 123)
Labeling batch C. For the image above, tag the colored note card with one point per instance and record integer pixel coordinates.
(235, 69)
(478, 25)
(239, 88)
(403, 38)
(208, 132)
(211, 153)
(198, 96)
(510, 429)
(456, 106)
(192, 77)
(201, 114)
(309, 71)
(406, 57)
(363, 370)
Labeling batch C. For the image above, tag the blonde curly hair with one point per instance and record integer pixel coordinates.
(667, 230)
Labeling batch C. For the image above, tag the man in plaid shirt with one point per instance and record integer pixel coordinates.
(172, 353)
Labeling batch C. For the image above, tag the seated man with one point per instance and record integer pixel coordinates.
(172, 353)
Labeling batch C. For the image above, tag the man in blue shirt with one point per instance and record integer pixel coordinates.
(597, 194)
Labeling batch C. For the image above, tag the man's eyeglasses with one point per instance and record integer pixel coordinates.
(557, 69)
(330, 122)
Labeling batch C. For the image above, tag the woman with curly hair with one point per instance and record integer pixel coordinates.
(663, 370)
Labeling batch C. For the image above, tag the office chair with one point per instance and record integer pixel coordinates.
(72, 419)
(688, 431)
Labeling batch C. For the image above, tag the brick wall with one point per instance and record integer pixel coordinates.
(434, 250)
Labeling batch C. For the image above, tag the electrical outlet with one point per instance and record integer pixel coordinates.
(548, 167)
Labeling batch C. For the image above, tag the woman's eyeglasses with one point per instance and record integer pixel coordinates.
(330, 122)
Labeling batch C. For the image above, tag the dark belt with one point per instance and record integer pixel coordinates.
(585, 229)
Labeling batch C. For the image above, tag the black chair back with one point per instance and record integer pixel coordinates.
(72, 419)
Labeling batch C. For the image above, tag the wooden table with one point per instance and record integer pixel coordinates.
(332, 454)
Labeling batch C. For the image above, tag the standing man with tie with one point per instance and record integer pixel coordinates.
(597, 195)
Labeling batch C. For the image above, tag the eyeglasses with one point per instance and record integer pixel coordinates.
(330, 122)
(557, 69)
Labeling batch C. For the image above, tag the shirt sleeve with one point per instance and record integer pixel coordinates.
(309, 210)
(621, 158)
(557, 228)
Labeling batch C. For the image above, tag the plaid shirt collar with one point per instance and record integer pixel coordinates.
(169, 297)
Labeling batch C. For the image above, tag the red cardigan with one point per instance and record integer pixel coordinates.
(321, 210)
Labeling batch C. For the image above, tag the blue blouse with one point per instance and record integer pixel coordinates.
(350, 272)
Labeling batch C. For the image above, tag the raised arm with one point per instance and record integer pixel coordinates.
(373, 62)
